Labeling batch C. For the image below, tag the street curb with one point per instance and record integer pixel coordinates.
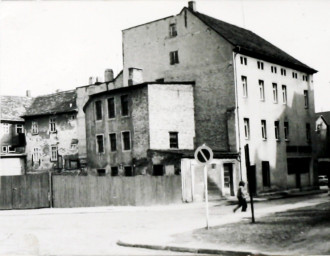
(189, 249)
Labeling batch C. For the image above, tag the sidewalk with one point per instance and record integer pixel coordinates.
(175, 238)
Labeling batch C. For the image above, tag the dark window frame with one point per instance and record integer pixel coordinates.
(111, 108)
(124, 101)
(174, 139)
(98, 110)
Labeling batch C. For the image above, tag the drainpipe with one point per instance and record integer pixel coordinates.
(237, 113)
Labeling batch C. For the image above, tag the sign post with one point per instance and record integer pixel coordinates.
(204, 156)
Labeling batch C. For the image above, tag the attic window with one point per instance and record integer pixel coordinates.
(173, 32)
(294, 75)
(274, 69)
(243, 60)
(283, 72)
(260, 65)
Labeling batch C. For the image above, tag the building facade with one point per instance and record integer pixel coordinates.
(140, 129)
(322, 145)
(13, 158)
(247, 92)
(51, 133)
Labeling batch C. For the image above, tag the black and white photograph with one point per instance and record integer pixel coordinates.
(166, 127)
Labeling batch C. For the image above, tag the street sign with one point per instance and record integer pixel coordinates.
(203, 155)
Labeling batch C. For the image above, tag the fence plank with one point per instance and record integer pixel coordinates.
(6, 193)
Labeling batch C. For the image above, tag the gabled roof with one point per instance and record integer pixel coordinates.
(12, 107)
(61, 102)
(247, 42)
(325, 115)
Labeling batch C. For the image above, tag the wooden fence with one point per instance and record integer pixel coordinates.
(86, 191)
(24, 191)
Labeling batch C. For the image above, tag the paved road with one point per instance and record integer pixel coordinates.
(95, 231)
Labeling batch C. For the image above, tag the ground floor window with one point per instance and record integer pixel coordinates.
(100, 172)
(298, 165)
(71, 164)
(114, 171)
(128, 171)
(158, 170)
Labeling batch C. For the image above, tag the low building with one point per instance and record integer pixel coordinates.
(140, 129)
(322, 145)
(51, 133)
(12, 134)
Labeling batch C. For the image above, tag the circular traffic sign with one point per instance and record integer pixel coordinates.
(204, 154)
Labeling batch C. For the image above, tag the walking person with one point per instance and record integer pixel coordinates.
(241, 196)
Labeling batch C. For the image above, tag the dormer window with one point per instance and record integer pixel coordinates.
(173, 31)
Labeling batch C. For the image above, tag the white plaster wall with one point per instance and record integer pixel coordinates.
(171, 109)
(294, 112)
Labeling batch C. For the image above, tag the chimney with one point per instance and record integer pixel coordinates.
(96, 79)
(108, 75)
(135, 76)
(91, 80)
(28, 93)
(192, 6)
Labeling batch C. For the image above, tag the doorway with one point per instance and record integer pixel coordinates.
(228, 179)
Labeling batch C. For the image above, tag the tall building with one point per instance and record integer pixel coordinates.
(247, 92)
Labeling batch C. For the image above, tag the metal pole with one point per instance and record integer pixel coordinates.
(206, 197)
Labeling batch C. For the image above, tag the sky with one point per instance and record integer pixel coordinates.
(46, 45)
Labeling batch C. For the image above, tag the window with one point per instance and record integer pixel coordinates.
(174, 57)
(284, 94)
(174, 141)
(273, 69)
(243, 60)
(158, 170)
(173, 31)
(277, 130)
(99, 144)
(19, 128)
(286, 131)
(36, 154)
(128, 171)
(246, 128)
(245, 89)
(4, 149)
(265, 173)
(262, 90)
(298, 165)
(113, 142)
(126, 140)
(306, 98)
(283, 72)
(275, 97)
(111, 108)
(34, 127)
(53, 156)
(260, 65)
(114, 171)
(124, 105)
(52, 124)
(72, 117)
(101, 172)
(11, 149)
(98, 110)
(308, 132)
(71, 164)
(305, 78)
(294, 75)
(5, 128)
(263, 130)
